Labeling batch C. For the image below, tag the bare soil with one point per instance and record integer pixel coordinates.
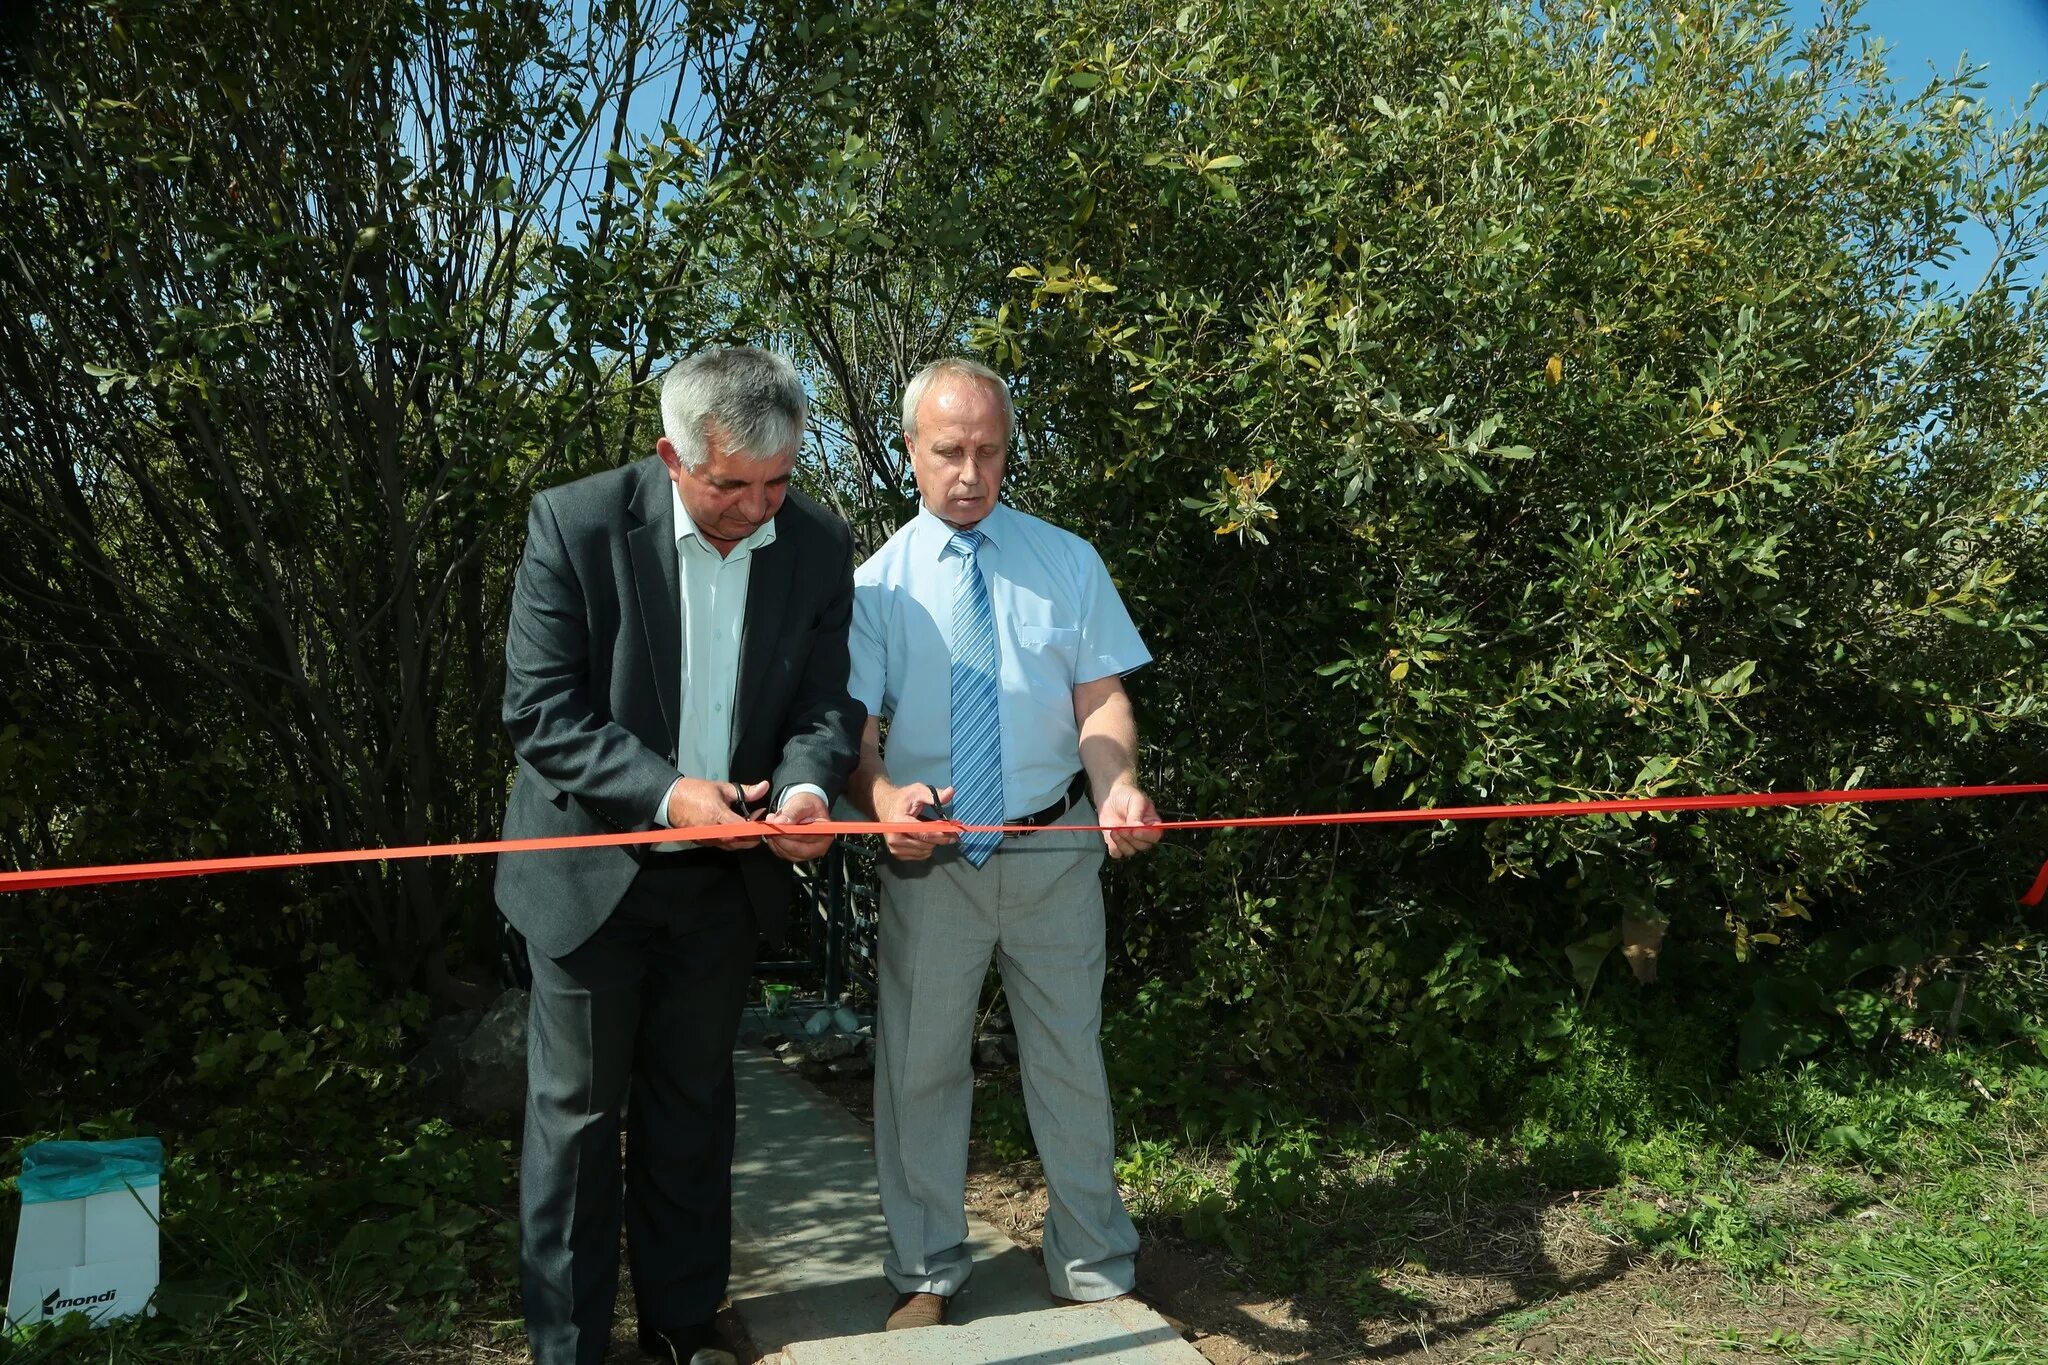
(1510, 1283)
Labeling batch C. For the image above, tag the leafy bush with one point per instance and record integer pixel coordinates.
(1474, 404)
(1480, 408)
(315, 1211)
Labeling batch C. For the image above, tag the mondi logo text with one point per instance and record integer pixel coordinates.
(53, 1305)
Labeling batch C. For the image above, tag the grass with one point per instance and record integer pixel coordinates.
(293, 1270)
(1946, 1261)
(1626, 1206)
(1955, 1268)
(1833, 1212)
(1943, 1259)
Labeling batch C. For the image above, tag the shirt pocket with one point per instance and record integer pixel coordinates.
(1048, 637)
(1048, 652)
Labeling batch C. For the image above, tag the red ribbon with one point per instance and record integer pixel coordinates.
(2039, 889)
(47, 878)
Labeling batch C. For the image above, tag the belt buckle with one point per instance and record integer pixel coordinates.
(1044, 819)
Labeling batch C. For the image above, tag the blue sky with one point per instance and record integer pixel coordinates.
(1929, 37)
(1923, 38)
(2010, 35)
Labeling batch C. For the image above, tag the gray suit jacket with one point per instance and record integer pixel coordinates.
(593, 663)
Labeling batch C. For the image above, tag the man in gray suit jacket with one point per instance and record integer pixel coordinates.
(677, 649)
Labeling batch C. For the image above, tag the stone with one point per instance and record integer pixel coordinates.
(852, 1068)
(438, 1062)
(493, 1059)
(1118, 1332)
(993, 1049)
(454, 1028)
(831, 1047)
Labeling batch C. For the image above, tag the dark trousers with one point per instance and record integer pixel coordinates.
(649, 1006)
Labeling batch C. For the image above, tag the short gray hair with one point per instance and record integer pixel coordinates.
(753, 395)
(953, 367)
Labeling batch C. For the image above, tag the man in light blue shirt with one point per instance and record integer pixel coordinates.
(994, 645)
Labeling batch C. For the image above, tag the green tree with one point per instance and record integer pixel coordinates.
(1475, 404)
(1552, 404)
(299, 307)
(1489, 405)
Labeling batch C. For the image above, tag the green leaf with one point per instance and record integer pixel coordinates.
(1653, 772)
(1735, 682)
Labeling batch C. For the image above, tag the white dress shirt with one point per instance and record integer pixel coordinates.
(713, 600)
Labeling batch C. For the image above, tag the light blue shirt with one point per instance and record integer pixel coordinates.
(1059, 623)
(714, 611)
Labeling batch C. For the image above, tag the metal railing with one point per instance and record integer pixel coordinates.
(831, 930)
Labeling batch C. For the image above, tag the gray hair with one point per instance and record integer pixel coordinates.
(753, 395)
(953, 367)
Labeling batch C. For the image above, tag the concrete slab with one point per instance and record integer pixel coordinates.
(1116, 1333)
(808, 1236)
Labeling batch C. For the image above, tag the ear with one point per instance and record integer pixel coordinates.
(670, 456)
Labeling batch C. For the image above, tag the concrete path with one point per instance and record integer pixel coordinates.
(808, 1241)
(1121, 1333)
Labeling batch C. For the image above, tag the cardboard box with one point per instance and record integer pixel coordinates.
(88, 1236)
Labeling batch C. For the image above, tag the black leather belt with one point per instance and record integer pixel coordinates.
(1076, 789)
(699, 856)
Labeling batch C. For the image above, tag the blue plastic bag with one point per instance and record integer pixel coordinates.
(75, 1170)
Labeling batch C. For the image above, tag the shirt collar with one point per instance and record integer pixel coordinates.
(938, 535)
(686, 528)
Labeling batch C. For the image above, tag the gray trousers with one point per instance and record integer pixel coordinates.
(1037, 905)
(649, 1006)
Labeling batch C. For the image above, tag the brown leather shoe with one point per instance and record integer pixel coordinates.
(916, 1310)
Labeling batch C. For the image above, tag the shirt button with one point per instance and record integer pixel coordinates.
(718, 706)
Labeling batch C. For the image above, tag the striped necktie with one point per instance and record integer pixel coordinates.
(977, 724)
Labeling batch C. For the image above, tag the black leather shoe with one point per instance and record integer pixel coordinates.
(675, 1345)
